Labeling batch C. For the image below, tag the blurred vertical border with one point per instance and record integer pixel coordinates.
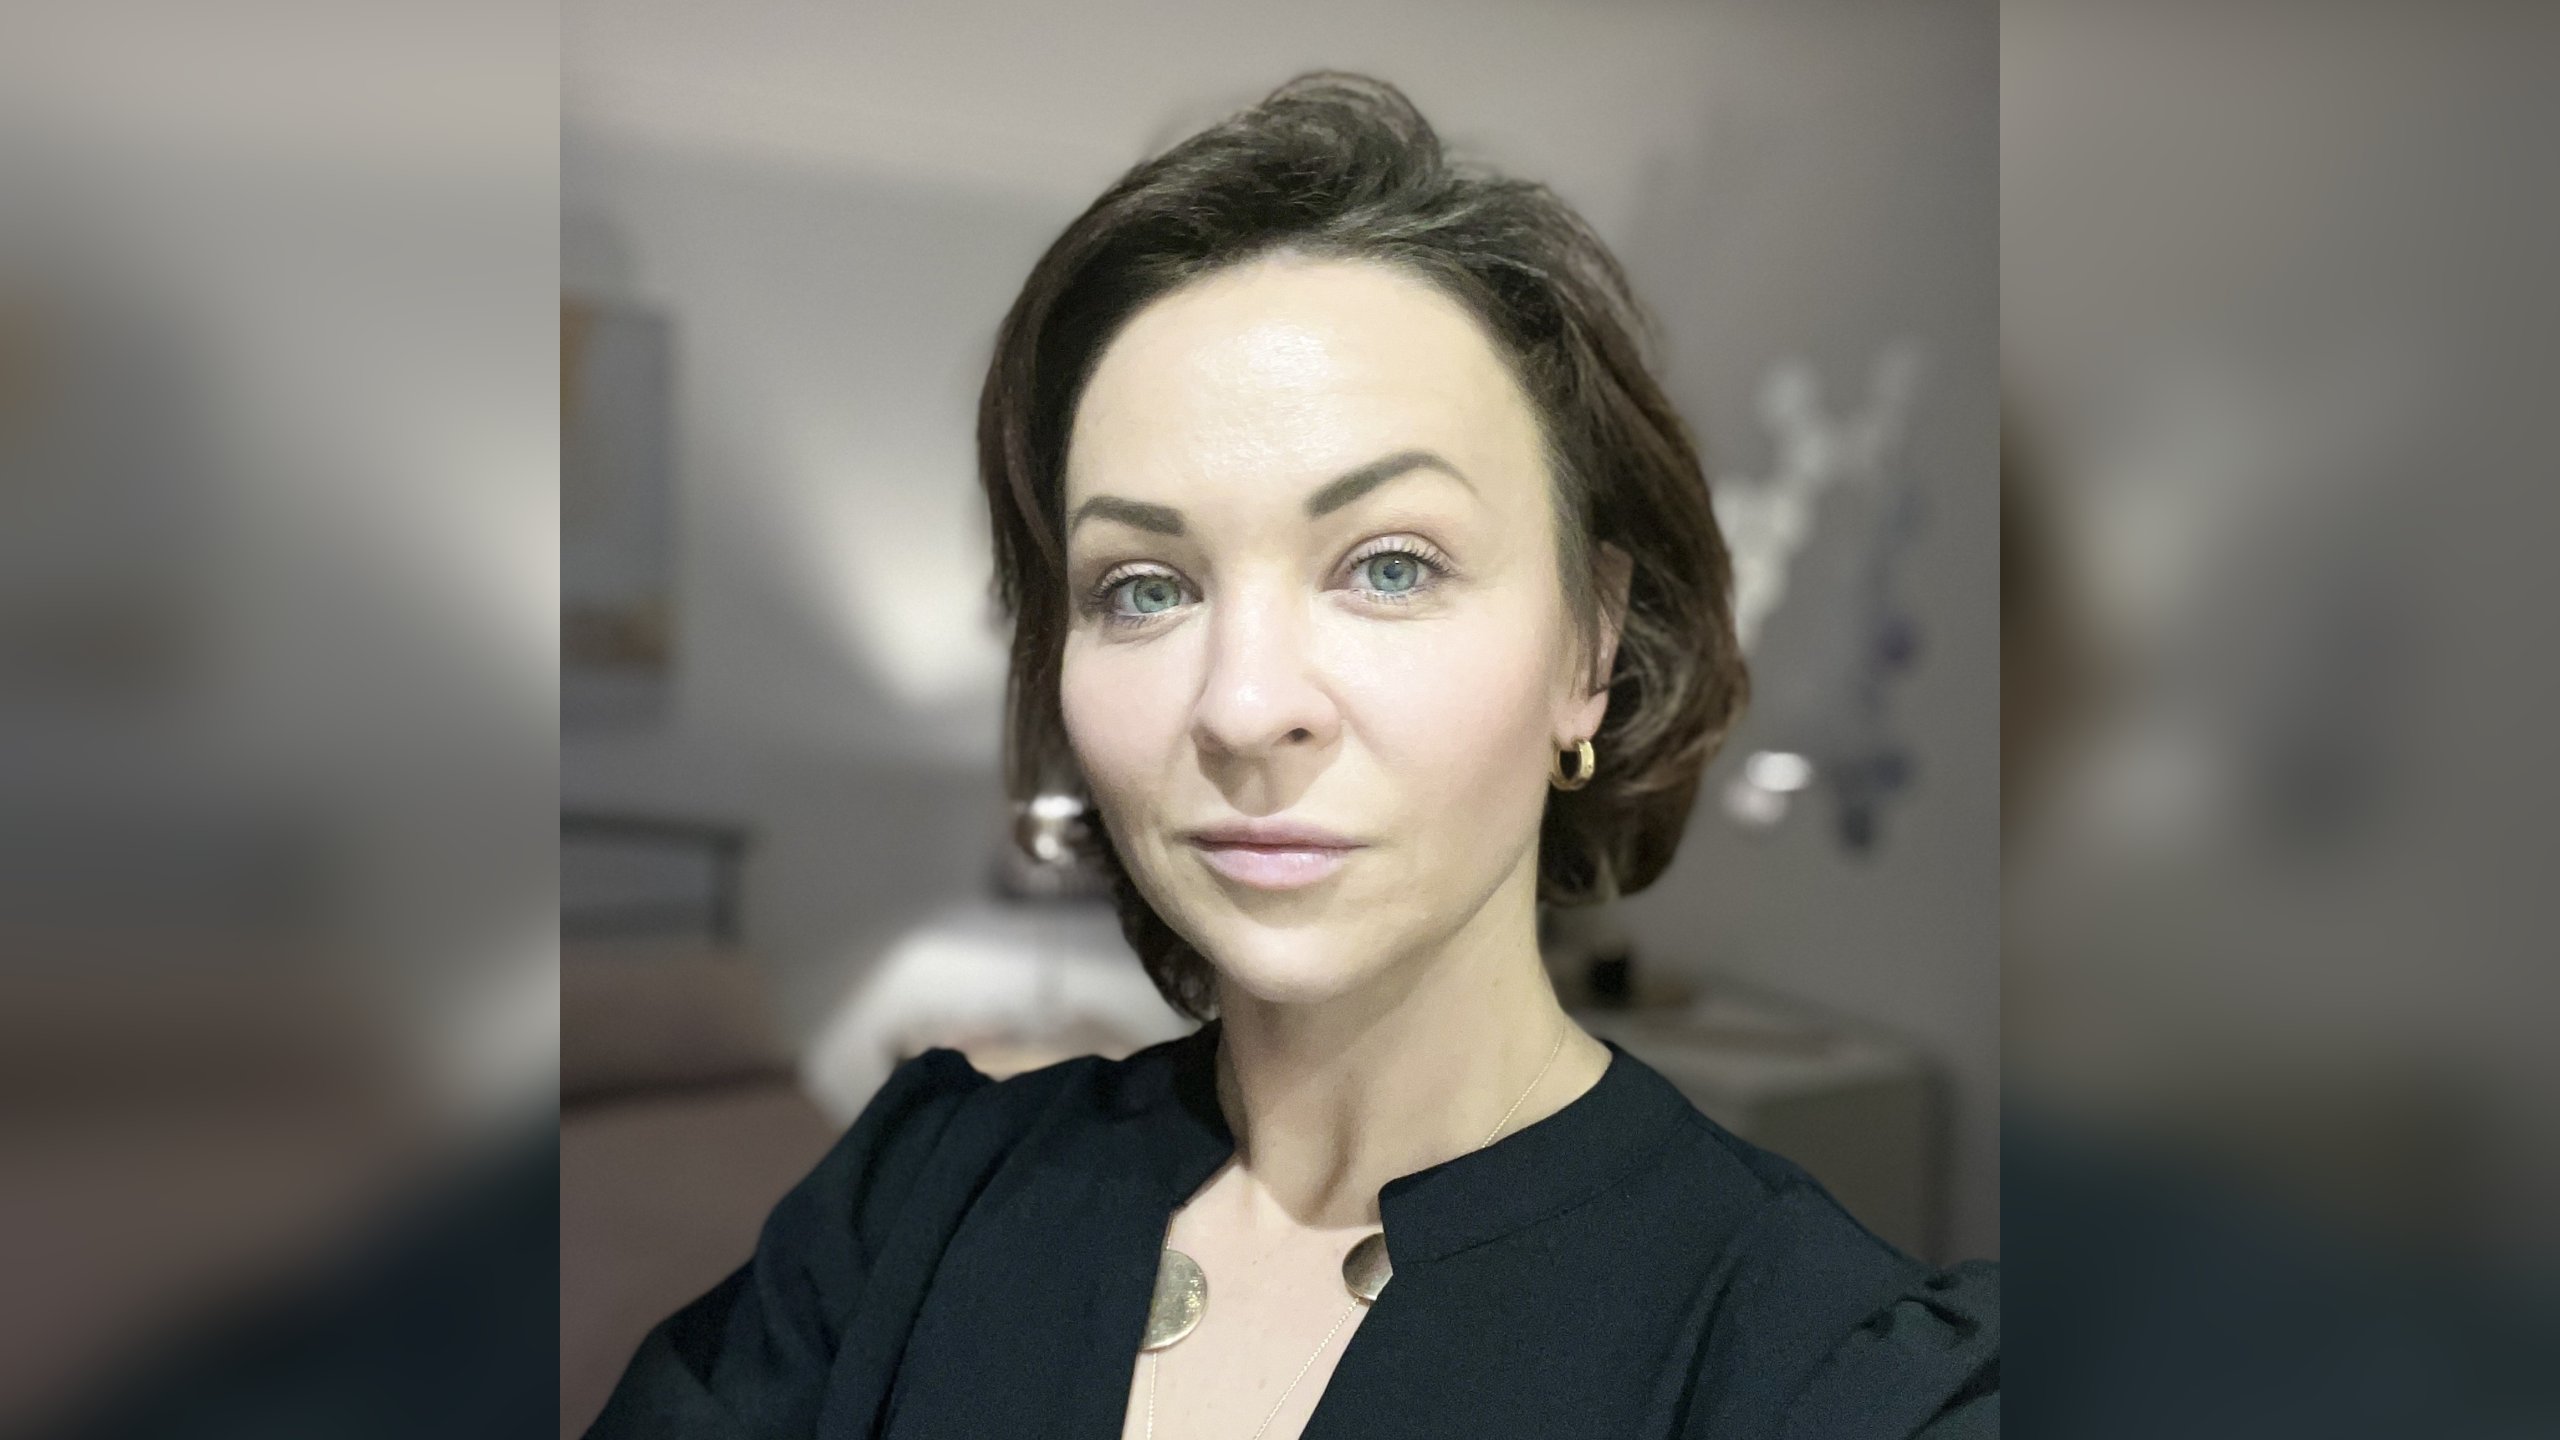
(278, 718)
(2283, 1112)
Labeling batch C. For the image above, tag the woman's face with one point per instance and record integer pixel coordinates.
(1321, 654)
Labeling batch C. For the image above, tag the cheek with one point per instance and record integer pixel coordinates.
(1463, 708)
(1124, 707)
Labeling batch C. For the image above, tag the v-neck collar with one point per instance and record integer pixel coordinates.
(1538, 1171)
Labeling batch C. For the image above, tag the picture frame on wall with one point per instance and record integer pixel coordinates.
(616, 555)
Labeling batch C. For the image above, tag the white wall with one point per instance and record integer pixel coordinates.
(836, 204)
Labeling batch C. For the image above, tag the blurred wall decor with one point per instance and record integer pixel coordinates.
(1829, 708)
(616, 620)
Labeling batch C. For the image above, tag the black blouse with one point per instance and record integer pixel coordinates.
(976, 1258)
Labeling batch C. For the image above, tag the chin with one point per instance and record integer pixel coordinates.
(1299, 966)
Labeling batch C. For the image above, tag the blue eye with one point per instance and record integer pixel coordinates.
(1392, 572)
(1147, 594)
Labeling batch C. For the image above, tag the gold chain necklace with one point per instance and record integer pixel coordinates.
(1182, 1290)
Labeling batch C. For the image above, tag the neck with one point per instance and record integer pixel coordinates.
(1329, 1100)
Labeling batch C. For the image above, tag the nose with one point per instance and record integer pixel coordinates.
(1264, 709)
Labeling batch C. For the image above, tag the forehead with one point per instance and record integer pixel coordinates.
(1289, 369)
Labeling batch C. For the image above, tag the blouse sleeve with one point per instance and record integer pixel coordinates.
(1925, 1365)
(752, 1358)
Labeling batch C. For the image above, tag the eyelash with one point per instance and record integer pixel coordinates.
(1435, 568)
(1100, 600)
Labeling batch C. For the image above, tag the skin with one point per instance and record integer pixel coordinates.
(1273, 625)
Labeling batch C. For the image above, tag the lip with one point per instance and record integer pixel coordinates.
(1271, 854)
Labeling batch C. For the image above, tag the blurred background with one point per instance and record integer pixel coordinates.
(278, 556)
(2276, 306)
(787, 233)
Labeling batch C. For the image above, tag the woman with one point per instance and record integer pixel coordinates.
(1367, 585)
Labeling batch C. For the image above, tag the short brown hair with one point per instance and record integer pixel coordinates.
(1340, 166)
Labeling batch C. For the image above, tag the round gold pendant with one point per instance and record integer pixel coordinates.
(1182, 1297)
(1366, 1270)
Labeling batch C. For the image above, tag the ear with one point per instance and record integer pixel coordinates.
(1612, 577)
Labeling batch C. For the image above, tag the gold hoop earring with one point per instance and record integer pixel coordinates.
(1585, 760)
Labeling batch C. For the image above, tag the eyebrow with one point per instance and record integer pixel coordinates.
(1376, 473)
(1165, 520)
(1161, 519)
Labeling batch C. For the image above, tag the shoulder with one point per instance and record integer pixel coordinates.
(1826, 1323)
(845, 1259)
(939, 1126)
(937, 1113)
(1890, 1346)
